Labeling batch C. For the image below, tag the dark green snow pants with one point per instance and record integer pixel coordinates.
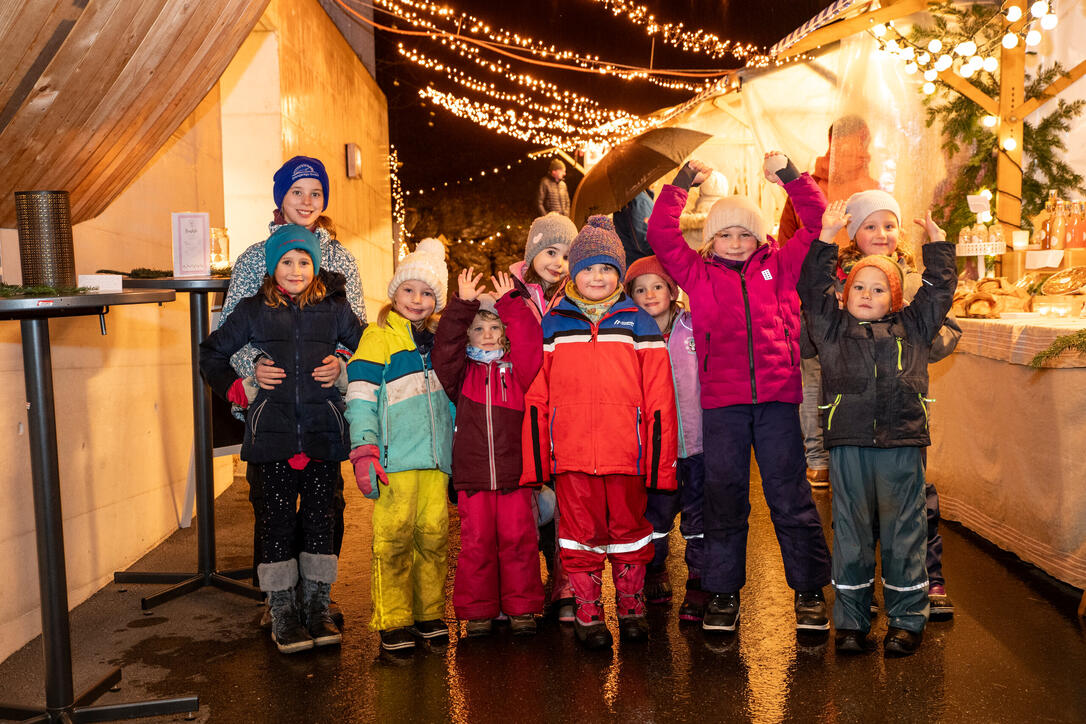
(887, 483)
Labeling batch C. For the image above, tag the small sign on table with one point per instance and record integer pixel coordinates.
(191, 244)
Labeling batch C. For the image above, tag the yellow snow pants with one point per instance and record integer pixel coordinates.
(410, 540)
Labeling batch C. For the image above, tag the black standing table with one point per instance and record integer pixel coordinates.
(61, 702)
(206, 574)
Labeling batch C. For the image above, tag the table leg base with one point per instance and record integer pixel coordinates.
(79, 711)
(187, 583)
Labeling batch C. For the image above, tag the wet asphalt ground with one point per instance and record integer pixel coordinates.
(1014, 652)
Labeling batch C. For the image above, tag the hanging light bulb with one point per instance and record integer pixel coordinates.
(1033, 38)
(935, 45)
(1013, 13)
(966, 48)
(1010, 40)
(930, 74)
(892, 46)
(985, 217)
(923, 58)
(1009, 144)
(989, 121)
(928, 88)
(910, 68)
(909, 54)
(991, 64)
(966, 71)
(879, 30)
(944, 62)
(1049, 21)
(976, 61)
(1038, 9)
(986, 193)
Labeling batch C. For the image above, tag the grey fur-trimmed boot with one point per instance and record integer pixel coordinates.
(318, 572)
(278, 580)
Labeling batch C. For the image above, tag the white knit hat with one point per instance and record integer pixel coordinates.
(426, 264)
(734, 211)
(864, 203)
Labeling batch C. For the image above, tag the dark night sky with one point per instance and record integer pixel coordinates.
(453, 148)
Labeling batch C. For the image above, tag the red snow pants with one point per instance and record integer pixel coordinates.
(498, 568)
(603, 516)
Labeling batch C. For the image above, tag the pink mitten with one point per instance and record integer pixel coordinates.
(368, 470)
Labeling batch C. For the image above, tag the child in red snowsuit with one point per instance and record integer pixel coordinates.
(600, 419)
(485, 370)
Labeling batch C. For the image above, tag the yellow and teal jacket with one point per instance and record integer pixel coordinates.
(396, 402)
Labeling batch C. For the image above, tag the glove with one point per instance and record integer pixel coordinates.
(242, 392)
(685, 177)
(368, 470)
(779, 168)
(341, 381)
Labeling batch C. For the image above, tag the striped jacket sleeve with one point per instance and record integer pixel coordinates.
(658, 391)
(365, 381)
(535, 433)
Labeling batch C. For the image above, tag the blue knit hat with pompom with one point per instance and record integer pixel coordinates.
(597, 243)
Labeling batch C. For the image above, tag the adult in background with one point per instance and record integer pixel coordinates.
(300, 190)
(553, 195)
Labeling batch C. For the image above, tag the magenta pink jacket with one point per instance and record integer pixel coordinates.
(746, 325)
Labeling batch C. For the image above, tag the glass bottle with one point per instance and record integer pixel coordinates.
(1057, 233)
(996, 234)
(1076, 227)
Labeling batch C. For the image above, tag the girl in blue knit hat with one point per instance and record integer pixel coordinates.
(600, 419)
(300, 190)
(295, 433)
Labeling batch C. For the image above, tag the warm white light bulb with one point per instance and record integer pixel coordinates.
(1038, 9)
(966, 48)
(1009, 144)
(1013, 13)
(928, 88)
(985, 217)
(1049, 21)
(1010, 40)
(930, 74)
(986, 193)
(989, 121)
(892, 46)
(1033, 38)
(910, 68)
(991, 64)
(944, 62)
(935, 45)
(923, 58)
(966, 71)
(879, 30)
(908, 53)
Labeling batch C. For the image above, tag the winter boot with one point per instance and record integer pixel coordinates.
(629, 581)
(318, 571)
(693, 605)
(287, 631)
(657, 586)
(588, 621)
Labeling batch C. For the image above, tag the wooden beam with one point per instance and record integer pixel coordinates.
(843, 28)
(1012, 81)
(1051, 91)
(970, 91)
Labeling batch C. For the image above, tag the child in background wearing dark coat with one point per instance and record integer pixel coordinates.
(486, 355)
(742, 289)
(656, 292)
(600, 420)
(874, 356)
(295, 433)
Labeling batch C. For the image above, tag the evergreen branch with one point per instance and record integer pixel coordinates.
(1064, 343)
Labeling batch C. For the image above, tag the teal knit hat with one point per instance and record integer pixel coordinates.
(597, 243)
(287, 237)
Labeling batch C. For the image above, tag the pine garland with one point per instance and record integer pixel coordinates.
(41, 290)
(1065, 343)
(145, 273)
(1042, 143)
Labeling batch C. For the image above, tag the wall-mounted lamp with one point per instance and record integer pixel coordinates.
(354, 161)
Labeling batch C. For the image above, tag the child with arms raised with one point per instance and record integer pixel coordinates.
(486, 355)
(874, 356)
(746, 327)
(600, 420)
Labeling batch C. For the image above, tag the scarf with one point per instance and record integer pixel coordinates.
(485, 356)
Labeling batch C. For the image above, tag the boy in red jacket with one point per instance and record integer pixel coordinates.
(485, 368)
(600, 418)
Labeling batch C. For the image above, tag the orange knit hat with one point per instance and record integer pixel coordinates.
(649, 265)
(893, 276)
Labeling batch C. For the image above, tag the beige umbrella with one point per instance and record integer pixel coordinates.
(631, 167)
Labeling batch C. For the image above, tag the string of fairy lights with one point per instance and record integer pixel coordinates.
(967, 58)
(399, 209)
(674, 34)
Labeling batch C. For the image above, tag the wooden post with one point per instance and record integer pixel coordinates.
(1012, 79)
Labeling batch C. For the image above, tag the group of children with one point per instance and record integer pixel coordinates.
(593, 379)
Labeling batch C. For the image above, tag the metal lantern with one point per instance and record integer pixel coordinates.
(45, 238)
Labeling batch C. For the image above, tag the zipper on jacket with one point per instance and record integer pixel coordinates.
(788, 341)
(678, 413)
(924, 407)
(537, 456)
(501, 378)
(832, 407)
(297, 376)
(554, 460)
(639, 441)
(750, 338)
(430, 402)
(705, 364)
(657, 438)
(384, 429)
(335, 412)
(255, 417)
(490, 431)
(898, 353)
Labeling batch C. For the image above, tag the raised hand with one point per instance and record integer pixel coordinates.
(701, 170)
(930, 228)
(774, 161)
(468, 283)
(834, 219)
(503, 284)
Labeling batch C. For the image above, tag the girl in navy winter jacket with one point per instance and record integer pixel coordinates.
(295, 433)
